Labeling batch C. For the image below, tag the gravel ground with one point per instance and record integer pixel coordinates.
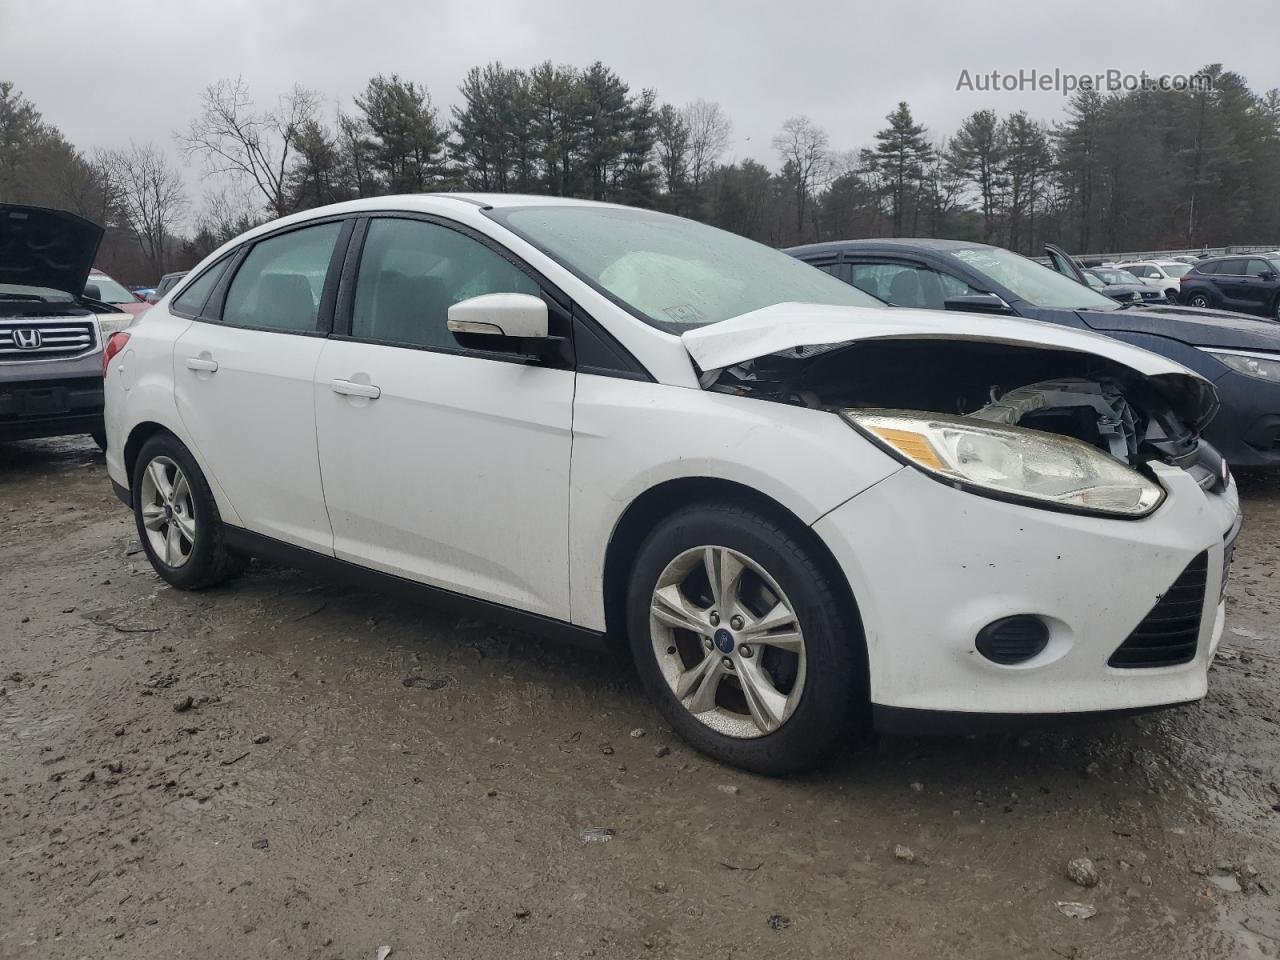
(282, 767)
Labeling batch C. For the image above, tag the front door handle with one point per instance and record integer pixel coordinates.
(202, 363)
(349, 388)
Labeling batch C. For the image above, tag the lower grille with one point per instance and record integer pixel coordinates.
(1168, 635)
(47, 339)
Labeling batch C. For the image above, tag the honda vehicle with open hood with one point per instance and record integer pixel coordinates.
(51, 334)
(802, 511)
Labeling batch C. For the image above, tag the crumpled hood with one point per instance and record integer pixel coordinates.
(1191, 325)
(42, 247)
(786, 326)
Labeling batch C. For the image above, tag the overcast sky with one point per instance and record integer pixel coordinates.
(109, 72)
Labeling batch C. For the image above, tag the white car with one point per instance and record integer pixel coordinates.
(804, 511)
(1162, 274)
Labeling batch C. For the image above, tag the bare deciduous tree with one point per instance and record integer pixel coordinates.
(806, 163)
(235, 140)
(149, 194)
(708, 135)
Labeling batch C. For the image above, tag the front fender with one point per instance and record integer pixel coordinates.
(631, 436)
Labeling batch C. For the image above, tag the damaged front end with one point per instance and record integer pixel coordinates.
(1049, 424)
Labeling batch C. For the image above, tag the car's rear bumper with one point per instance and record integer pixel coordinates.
(930, 566)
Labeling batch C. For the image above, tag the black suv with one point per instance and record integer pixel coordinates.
(1247, 284)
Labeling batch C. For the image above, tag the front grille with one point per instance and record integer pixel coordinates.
(1167, 636)
(46, 339)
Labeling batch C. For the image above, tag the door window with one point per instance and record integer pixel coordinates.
(278, 286)
(908, 285)
(412, 272)
(1256, 268)
(1231, 268)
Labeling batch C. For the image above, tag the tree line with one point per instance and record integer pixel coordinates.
(1140, 169)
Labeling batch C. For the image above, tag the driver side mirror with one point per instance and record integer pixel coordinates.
(506, 322)
(92, 291)
(977, 303)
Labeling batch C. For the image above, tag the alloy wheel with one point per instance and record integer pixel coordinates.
(728, 641)
(168, 515)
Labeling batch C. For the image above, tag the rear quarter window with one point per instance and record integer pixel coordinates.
(191, 301)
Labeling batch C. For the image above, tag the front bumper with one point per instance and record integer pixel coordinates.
(1246, 430)
(930, 566)
(50, 407)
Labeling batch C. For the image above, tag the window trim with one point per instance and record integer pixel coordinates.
(214, 306)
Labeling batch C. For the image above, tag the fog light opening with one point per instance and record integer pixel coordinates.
(1013, 640)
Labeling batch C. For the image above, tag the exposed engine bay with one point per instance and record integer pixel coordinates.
(1072, 394)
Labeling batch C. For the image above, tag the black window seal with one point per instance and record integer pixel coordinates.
(218, 298)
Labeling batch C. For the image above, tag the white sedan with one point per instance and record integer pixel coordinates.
(804, 512)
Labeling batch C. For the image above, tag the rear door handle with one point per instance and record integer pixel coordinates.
(200, 363)
(350, 389)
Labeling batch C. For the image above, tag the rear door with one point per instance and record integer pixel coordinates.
(1231, 282)
(1256, 286)
(244, 379)
(444, 465)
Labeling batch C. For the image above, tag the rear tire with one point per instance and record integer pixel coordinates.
(771, 699)
(99, 435)
(176, 517)
(1199, 300)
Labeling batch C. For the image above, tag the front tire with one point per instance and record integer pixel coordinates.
(743, 640)
(177, 518)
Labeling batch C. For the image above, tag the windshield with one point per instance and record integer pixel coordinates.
(109, 291)
(1031, 282)
(18, 291)
(670, 272)
(1117, 276)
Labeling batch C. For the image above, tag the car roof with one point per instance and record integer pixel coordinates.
(903, 244)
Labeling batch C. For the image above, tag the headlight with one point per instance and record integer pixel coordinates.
(1011, 462)
(109, 323)
(1261, 365)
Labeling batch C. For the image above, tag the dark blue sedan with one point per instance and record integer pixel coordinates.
(1239, 355)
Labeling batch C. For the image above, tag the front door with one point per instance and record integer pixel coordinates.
(443, 465)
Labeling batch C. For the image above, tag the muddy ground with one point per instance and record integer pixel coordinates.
(311, 803)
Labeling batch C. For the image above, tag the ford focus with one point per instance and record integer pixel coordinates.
(803, 513)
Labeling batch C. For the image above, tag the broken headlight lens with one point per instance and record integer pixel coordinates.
(1260, 365)
(1012, 462)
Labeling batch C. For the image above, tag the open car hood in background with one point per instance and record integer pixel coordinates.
(788, 326)
(41, 247)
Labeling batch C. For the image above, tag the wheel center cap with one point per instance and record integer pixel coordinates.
(723, 640)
